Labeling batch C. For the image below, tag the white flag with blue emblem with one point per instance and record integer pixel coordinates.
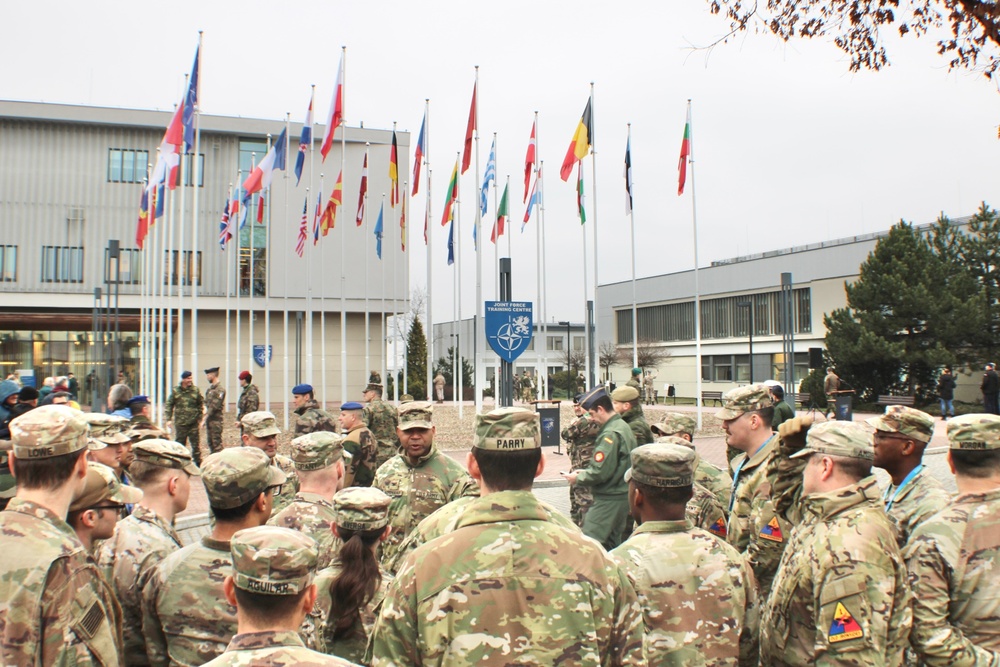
(491, 175)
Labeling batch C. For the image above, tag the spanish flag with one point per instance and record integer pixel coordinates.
(579, 147)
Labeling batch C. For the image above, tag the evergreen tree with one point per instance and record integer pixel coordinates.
(445, 366)
(416, 360)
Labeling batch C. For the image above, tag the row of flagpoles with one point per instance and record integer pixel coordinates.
(182, 135)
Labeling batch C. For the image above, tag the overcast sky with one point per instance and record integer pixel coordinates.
(791, 148)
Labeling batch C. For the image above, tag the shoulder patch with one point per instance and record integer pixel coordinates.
(772, 531)
(599, 456)
(719, 527)
(844, 626)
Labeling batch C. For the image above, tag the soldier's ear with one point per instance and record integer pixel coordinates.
(229, 590)
(473, 467)
(309, 599)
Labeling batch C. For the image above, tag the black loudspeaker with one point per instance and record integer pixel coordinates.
(815, 357)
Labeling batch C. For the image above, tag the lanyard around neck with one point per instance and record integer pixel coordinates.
(899, 489)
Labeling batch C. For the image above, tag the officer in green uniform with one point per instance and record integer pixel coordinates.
(607, 518)
(626, 403)
(215, 403)
(184, 408)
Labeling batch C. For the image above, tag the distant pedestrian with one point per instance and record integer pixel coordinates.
(946, 393)
(991, 389)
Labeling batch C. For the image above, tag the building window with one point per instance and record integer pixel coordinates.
(188, 167)
(8, 263)
(579, 343)
(179, 263)
(555, 343)
(62, 264)
(129, 266)
(127, 165)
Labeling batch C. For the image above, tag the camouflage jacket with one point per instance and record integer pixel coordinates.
(251, 649)
(215, 402)
(185, 617)
(716, 480)
(184, 406)
(676, 566)
(360, 442)
(312, 515)
(634, 382)
(128, 560)
(606, 473)
(580, 436)
(840, 595)
(952, 559)
(640, 427)
(444, 520)
(311, 418)
(318, 629)
(55, 607)
(249, 401)
(381, 419)
(908, 507)
(506, 587)
(755, 528)
(706, 512)
(417, 490)
(291, 485)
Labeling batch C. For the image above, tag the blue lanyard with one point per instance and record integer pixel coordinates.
(736, 475)
(899, 489)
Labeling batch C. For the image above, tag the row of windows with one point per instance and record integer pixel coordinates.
(64, 264)
(724, 317)
(127, 165)
(736, 367)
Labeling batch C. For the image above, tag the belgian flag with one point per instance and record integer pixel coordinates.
(579, 147)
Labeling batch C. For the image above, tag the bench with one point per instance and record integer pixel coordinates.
(896, 400)
(799, 401)
(711, 396)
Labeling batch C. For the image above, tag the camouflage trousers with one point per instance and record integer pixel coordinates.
(214, 429)
(580, 500)
(606, 519)
(187, 435)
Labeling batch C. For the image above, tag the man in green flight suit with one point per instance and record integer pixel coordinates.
(606, 520)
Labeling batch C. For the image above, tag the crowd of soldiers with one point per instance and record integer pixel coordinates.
(367, 545)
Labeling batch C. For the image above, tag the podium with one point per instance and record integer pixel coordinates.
(844, 405)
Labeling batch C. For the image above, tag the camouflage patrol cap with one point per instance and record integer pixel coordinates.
(507, 429)
(745, 399)
(8, 485)
(146, 431)
(905, 420)
(109, 429)
(103, 484)
(361, 508)
(269, 560)
(662, 465)
(318, 450)
(237, 475)
(418, 414)
(165, 454)
(974, 432)
(47, 431)
(625, 394)
(406, 398)
(674, 423)
(674, 440)
(838, 438)
(260, 424)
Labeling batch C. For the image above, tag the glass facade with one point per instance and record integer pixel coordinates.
(736, 367)
(253, 236)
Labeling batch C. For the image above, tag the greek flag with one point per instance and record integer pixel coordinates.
(491, 175)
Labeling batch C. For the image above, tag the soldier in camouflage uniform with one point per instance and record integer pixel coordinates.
(360, 442)
(260, 430)
(840, 595)
(420, 479)
(381, 418)
(698, 596)
(901, 435)
(362, 517)
(183, 413)
(626, 403)
(648, 389)
(215, 405)
(249, 400)
(187, 619)
(271, 588)
(95, 511)
(704, 510)
(309, 416)
(755, 527)
(138, 405)
(634, 381)
(319, 465)
(712, 477)
(952, 556)
(580, 436)
(507, 586)
(55, 607)
(439, 383)
(163, 470)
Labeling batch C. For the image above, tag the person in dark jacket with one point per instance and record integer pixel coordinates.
(946, 393)
(991, 390)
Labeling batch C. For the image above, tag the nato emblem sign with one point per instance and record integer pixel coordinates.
(262, 354)
(508, 328)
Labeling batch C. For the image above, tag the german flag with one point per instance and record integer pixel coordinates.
(579, 147)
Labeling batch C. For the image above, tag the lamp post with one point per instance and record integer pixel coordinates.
(569, 363)
(749, 306)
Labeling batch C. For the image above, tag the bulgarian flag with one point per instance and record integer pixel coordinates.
(579, 147)
(502, 213)
(685, 154)
(451, 195)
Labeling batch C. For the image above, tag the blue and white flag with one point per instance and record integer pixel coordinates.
(378, 232)
(305, 141)
(491, 175)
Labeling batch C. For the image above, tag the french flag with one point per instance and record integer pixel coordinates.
(260, 177)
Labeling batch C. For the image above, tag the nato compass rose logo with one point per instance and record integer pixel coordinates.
(510, 336)
(508, 328)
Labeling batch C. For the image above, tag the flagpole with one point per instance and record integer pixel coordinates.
(539, 270)
(385, 348)
(404, 233)
(543, 378)
(381, 315)
(235, 250)
(268, 283)
(478, 329)
(196, 172)
(459, 367)
(309, 289)
(697, 294)
(593, 337)
(252, 220)
(429, 318)
(629, 184)
(181, 274)
(583, 234)
(322, 305)
(164, 354)
(343, 229)
(229, 284)
(364, 225)
(496, 247)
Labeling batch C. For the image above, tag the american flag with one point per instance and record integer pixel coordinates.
(300, 246)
